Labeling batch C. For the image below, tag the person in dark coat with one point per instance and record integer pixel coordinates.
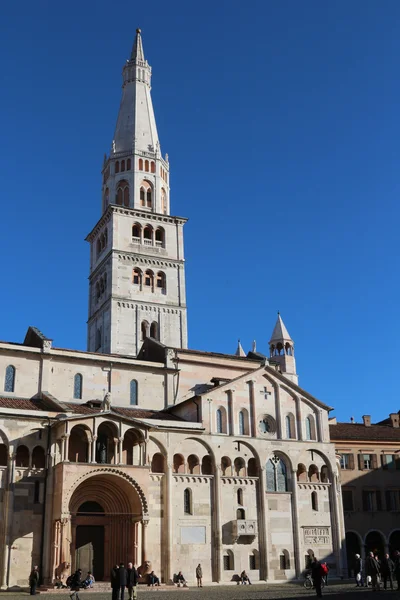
(131, 581)
(358, 570)
(387, 570)
(373, 570)
(122, 579)
(114, 580)
(34, 580)
(316, 574)
(76, 584)
(397, 568)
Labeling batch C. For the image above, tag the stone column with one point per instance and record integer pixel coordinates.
(299, 419)
(66, 447)
(8, 502)
(216, 546)
(93, 457)
(168, 523)
(296, 529)
(230, 428)
(116, 461)
(262, 525)
(253, 417)
(337, 543)
(145, 522)
(278, 411)
(120, 441)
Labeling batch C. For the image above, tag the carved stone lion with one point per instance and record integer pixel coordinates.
(144, 570)
(106, 404)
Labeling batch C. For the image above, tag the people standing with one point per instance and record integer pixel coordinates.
(131, 581)
(76, 583)
(358, 570)
(34, 580)
(316, 574)
(387, 570)
(397, 568)
(122, 579)
(114, 580)
(199, 575)
(372, 570)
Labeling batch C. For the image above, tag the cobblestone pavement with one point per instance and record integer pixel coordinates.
(233, 592)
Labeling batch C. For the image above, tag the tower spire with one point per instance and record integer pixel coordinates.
(239, 350)
(137, 53)
(281, 348)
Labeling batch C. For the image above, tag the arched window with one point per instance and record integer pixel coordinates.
(226, 466)
(206, 465)
(314, 500)
(187, 502)
(98, 247)
(158, 463)
(161, 282)
(301, 473)
(228, 561)
(117, 167)
(140, 164)
(241, 423)
(240, 513)
(137, 277)
(149, 200)
(98, 339)
(128, 164)
(122, 165)
(123, 193)
(106, 198)
(239, 467)
(149, 279)
(276, 475)
(145, 330)
(148, 236)
(9, 381)
(22, 457)
(310, 428)
(146, 194)
(160, 237)
(239, 495)
(324, 474)
(3, 455)
(194, 464)
(313, 473)
(142, 196)
(221, 420)
(284, 560)
(146, 166)
(290, 426)
(78, 381)
(38, 458)
(153, 166)
(163, 201)
(179, 463)
(136, 229)
(154, 332)
(252, 469)
(133, 392)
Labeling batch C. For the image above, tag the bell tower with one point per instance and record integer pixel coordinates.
(137, 275)
(281, 348)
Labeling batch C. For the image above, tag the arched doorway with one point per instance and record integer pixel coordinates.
(394, 542)
(375, 543)
(353, 547)
(106, 514)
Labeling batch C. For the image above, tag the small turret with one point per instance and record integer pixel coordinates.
(281, 347)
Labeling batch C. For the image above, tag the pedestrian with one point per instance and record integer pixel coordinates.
(122, 579)
(397, 568)
(387, 570)
(76, 583)
(153, 580)
(114, 580)
(34, 580)
(131, 581)
(372, 570)
(317, 575)
(199, 575)
(358, 570)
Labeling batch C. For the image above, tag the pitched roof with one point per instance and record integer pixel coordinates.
(20, 403)
(361, 432)
(124, 411)
(280, 333)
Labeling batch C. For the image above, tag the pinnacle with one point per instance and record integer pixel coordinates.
(137, 53)
(280, 333)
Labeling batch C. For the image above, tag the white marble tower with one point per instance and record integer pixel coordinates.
(137, 276)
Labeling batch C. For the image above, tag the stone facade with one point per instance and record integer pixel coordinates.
(141, 449)
(370, 479)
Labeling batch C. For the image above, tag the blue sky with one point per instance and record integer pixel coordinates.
(281, 123)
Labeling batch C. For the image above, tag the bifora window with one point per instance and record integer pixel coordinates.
(276, 475)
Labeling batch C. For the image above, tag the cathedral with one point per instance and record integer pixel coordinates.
(141, 449)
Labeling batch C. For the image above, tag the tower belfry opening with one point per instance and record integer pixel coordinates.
(137, 274)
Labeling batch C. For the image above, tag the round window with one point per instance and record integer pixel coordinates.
(267, 425)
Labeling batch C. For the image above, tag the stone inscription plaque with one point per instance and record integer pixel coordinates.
(317, 536)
